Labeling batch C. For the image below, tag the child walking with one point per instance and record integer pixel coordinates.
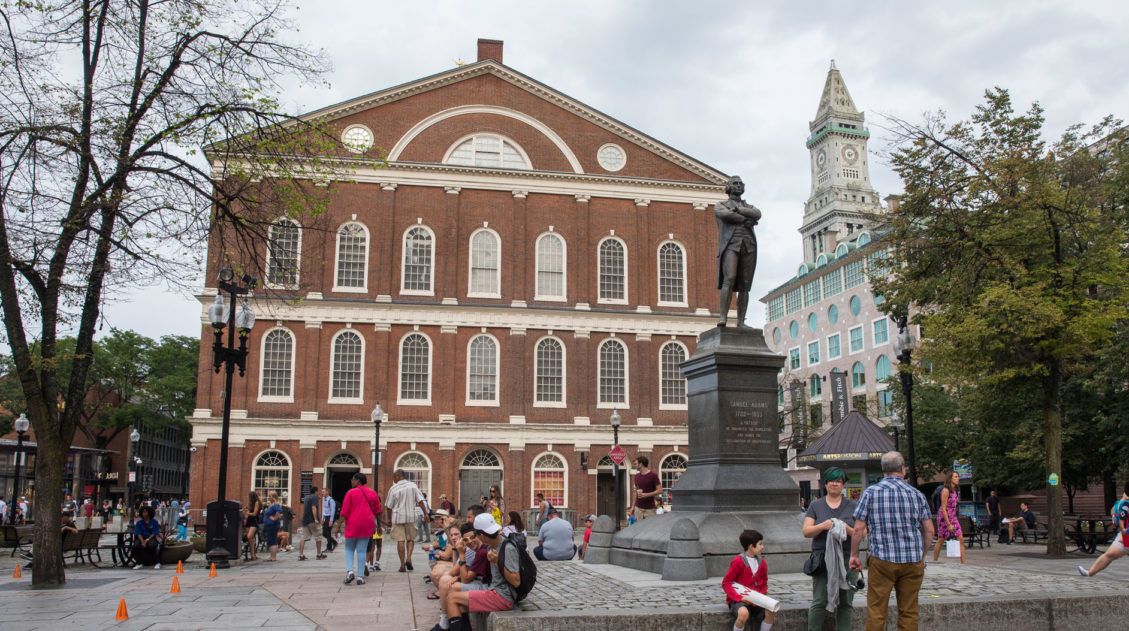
(748, 572)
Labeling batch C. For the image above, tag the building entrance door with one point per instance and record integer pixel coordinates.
(605, 493)
(338, 473)
(480, 470)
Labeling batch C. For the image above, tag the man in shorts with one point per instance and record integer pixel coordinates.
(501, 593)
(404, 502)
(1120, 514)
(311, 523)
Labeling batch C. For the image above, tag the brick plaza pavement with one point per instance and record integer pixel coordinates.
(310, 595)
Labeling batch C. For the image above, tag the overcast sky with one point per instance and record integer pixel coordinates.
(731, 84)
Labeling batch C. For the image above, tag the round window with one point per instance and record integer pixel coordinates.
(776, 335)
(833, 314)
(856, 305)
(813, 322)
(357, 138)
(794, 329)
(611, 157)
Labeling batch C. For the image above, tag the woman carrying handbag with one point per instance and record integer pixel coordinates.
(948, 524)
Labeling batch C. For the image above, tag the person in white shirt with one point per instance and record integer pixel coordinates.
(404, 500)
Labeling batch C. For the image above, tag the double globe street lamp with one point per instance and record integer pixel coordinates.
(904, 345)
(22, 425)
(134, 462)
(377, 419)
(223, 516)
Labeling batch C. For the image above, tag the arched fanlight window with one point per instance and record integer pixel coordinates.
(272, 473)
(550, 476)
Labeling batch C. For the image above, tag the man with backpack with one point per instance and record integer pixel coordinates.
(512, 575)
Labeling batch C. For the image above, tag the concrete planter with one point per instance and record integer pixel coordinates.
(200, 543)
(176, 551)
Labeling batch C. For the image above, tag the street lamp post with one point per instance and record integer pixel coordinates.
(896, 424)
(21, 425)
(377, 418)
(134, 438)
(221, 513)
(904, 344)
(615, 472)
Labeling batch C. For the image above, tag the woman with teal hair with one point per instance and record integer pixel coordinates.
(832, 514)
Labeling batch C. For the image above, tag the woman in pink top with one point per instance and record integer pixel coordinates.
(359, 511)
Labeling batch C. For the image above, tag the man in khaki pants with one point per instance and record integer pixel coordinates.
(895, 517)
(403, 500)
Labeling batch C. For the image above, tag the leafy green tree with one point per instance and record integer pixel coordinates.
(1006, 246)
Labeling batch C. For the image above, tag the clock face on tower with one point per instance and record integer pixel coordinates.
(850, 154)
(821, 158)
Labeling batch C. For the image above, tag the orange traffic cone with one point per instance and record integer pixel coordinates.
(212, 573)
(175, 589)
(16, 573)
(180, 567)
(123, 613)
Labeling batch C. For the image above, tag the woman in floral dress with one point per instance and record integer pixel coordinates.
(948, 524)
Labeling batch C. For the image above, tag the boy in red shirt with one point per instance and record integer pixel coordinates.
(748, 572)
(587, 534)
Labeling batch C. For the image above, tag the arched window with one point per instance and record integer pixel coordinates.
(481, 459)
(613, 270)
(284, 245)
(813, 322)
(352, 258)
(672, 274)
(881, 368)
(482, 371)
(489, 151)
(419, 263)
(855, 305)
(417, 468)
(833, 315)
(276, 375)
(815, 386)
(858, 375)
(672, 388)
(550, 476)
(613, 373)
(415, 370)
(863, 239)
(485, 268)
(272, 473)
(347, 361)
(551, 282)
(343, 459)
(670, 469)
(549, 373)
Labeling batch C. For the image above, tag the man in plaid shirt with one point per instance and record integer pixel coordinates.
(900, 528)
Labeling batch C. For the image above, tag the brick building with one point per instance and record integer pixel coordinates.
(521, 267)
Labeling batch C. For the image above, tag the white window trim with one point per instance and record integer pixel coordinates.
(877, 380)
(293, 365)
(470, 266)
(532, 469)
(297, 263)
(788, 358)
(626, 376)
(814, 397)
(840, 336)
(808, 352)
(658, 264)
(626, 267)
(851, 376)
(537, 267)
(337, 260)
(671, 406)
(564, 374)
(874, 342)
(863, 338)
(333, 358)
(497, 376)
(289, 468)
(400, 370)
(430, 468)
(403, 268)
(503, 138)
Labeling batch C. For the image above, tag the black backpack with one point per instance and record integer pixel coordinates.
(527, 568)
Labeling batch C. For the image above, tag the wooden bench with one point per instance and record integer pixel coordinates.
(84, 545)
(1035, 534)
(974, 533)
(15, 538)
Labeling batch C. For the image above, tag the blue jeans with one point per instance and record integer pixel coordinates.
(355, 549)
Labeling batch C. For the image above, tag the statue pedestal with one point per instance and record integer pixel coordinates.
(734, 480)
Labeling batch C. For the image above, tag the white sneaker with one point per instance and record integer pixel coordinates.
(1083, 571)
(137, 567)
(157, 566)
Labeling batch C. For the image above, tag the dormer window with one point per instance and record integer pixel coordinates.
(488, 151)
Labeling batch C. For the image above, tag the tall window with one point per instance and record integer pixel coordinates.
(482, 370)
(833, 348)
(415, 369)
(487, 150)
(794, 358)
(417, 469)
(856, 339)
(671, 468)
(272, 473)
(881, 368)
(853, 274)
(812, 293)
(881, 332)
(815, 386)
(276, 378)
(885, 403)
(549, 477)
(832, 283)
(484, 264)
(673, 386)
(550, 376)
(352, 256)
(550, 267)
(418, 261)
(284, 242)
(613, 271)
(348, 356)
(613, 373)
(672, 274)
(813, 352)
(858, 375)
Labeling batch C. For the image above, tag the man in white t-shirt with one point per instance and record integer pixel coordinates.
(404, 502)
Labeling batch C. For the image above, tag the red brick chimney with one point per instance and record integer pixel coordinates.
(490, 49)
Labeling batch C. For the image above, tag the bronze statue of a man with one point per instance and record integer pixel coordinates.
(736, 249)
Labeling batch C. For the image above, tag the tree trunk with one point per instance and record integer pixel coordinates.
(47, 565)
(1052, 416)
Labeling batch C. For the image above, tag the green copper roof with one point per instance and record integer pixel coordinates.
(861, 132)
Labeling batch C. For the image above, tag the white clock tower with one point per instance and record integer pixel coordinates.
(842, 201)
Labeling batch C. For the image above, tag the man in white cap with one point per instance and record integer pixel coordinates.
(502, 592)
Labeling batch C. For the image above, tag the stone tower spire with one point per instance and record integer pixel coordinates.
(842, 201)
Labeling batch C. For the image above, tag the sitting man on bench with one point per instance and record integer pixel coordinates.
(1025, 521)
